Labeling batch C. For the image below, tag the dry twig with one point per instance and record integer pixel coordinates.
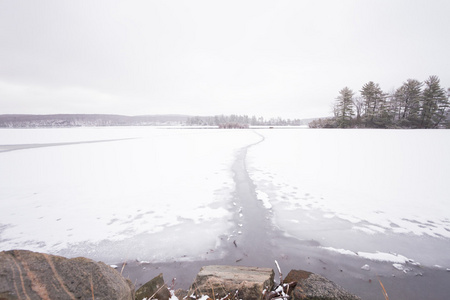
(92, 287)
(151, 297)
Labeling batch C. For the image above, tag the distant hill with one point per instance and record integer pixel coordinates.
(74, 120)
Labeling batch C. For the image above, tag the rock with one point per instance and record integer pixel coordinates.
(181, 294)
(219, 281)
(155, 288)
(30, 275)
(313, 286)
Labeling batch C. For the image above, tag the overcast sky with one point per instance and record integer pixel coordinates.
(264, 58)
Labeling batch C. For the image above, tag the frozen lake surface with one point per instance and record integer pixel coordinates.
(161, 195)
(359, 191)
(121, 199)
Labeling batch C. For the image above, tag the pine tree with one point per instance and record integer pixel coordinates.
(435, 104)
(374, 99)
(407, 99)
(386, 112)
(344, 108)
(358, 103)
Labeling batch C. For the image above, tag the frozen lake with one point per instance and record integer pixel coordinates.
(359, 191)
(145, 187)
(160, 195)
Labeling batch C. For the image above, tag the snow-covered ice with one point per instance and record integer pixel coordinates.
(162, 195)
(264, 198)
(152, 194)
(366, 267)
(377, 256)
(345, 187)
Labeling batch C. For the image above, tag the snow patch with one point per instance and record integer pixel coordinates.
(376, 256)
(382, 256)
(341, 251)
(264, 198)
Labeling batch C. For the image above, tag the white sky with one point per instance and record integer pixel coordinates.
(269, 58)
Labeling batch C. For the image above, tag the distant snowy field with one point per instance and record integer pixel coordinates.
(358, 191)
(166, 194)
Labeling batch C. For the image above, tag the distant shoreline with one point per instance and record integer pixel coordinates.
(102, 120)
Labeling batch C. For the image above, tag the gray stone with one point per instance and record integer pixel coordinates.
(30, 275)
(312, 286)
(181, 294)
(219, 281)
(154, 289)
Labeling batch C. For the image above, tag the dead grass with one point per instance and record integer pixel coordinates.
(92, 287)
(123, 267)
(384, 290)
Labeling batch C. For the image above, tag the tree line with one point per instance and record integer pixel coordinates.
(413, 105)
(237, 121)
